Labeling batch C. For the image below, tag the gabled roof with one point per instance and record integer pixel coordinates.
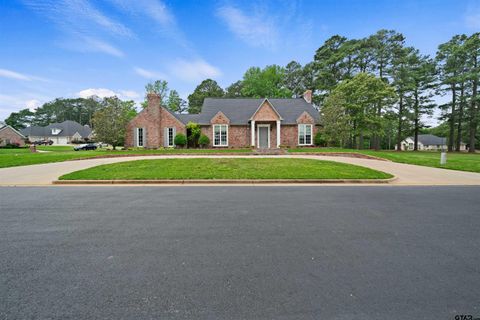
(260, 107)
(68, 127)
(240, 110)
(4, 126)
(430, 139)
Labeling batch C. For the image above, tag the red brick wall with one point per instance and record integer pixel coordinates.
(9, 134)
(266, 113)
(153, 118)
(238, 136)
(220, 118)
(289, 135)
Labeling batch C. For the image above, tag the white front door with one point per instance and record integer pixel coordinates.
(263, 136)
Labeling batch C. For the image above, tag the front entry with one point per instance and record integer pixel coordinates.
(263, 136)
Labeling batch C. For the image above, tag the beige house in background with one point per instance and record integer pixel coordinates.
(428, 142)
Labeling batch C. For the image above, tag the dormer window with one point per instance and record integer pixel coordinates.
(56, 131)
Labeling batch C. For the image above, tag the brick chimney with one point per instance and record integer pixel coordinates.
(307, 95)
(153, 99)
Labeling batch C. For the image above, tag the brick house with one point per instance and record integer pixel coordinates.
(8, 135)
(230, 123)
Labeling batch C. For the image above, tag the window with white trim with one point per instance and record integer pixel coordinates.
(139, 137)
(171, 137)
(304, 134)
(220, 135)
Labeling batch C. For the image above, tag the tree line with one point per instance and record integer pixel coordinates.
(371, 92)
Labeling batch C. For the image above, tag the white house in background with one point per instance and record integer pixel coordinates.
(428, 142)
(62, 133)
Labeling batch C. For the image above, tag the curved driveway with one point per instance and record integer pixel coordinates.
(44, 174)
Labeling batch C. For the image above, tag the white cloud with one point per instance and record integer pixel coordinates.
(99, 92)
(256, 29)
(79, 16)
(148, 74)
(159, 13)
(19, 76)
(96, 45)
(130, 94)
(14, 75)
(103, 93)
(82, 24)
(33, 104)
(155, 9)
(192, 71)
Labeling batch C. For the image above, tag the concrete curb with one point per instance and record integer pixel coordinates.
(228, 181)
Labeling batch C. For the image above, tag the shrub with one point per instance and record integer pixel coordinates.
(180, 140)
(203, 141)
(319, 140)
(193, 133)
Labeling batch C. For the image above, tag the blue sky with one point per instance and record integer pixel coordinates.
(76, 48)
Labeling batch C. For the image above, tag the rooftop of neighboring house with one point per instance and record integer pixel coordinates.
(430, 139)
(63, 129)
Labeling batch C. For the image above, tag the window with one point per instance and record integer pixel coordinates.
(170, 136)
(56, 131)
(139, 137)
(304, 134)
(220, 135)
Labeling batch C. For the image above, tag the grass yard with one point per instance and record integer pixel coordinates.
(236, 168)
(23, 157)
(455, 160)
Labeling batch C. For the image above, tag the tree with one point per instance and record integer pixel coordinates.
(401, 74)
(20, 119)
(352, 108)
(109, 123)
(423, 84)
(329, 65)
(473, 53)
(159, 87)
(265, 83)
(234, 90)
(208, 88)
(175, 103)
(294, 78)
(451, 66)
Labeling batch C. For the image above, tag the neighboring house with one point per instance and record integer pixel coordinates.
(62, 133)
(230, 123)
(428, 142)
(8, 135)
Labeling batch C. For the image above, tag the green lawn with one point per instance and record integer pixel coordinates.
(231, 168)
(23, 157)
(455, 160)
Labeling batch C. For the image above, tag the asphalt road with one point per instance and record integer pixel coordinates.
(239, 252)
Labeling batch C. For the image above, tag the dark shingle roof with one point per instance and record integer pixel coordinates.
(430, 139)
(68, 127)
(240, 110)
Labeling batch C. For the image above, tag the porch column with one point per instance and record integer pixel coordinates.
(252, 129)
(278, 133)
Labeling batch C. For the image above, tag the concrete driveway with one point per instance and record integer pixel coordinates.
(44, 174)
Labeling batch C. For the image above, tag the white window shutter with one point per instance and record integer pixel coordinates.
(165, 137)
(174, 134)
(135, 137)
(145, 137)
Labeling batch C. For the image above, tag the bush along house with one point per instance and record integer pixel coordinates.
(230, 123)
